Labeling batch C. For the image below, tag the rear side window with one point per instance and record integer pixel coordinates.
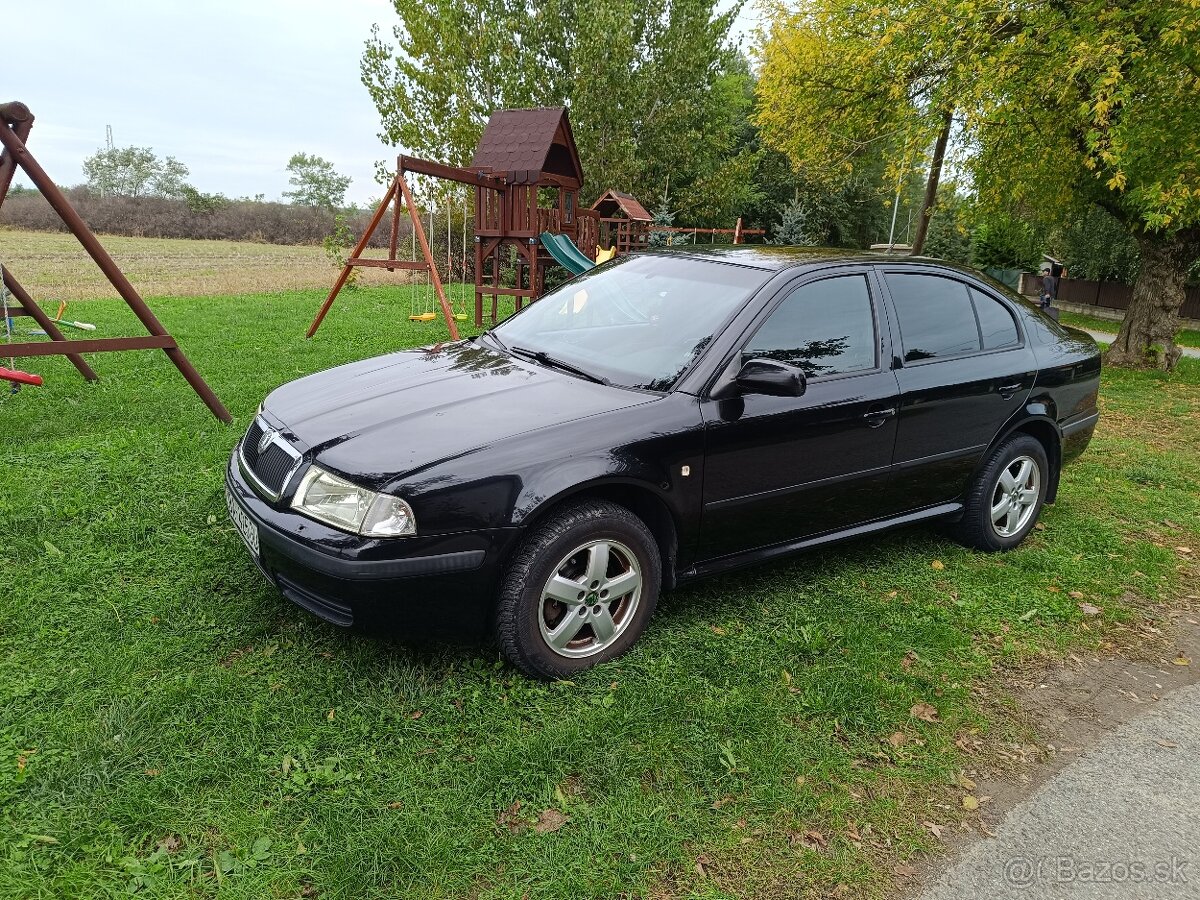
(936, 316)
(996, 323)
(824, 328)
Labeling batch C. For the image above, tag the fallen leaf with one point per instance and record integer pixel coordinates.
(852, 835)
(153, 773)
(171, 843)
(549, 821)
(904, 870)
(937, 564)
(786, 676)
(1182, 660)
(1054, 589)
(702, 864)
(925, 713)
(1089, 610)
(1029, 615)
(51, 549)
(396, 804)
(964, 782)
(511, 820)
(1183, 549)
(969, 802)
(800, 779)
(329, 715)
(717, 629)
(898, 739)
(909, 658)
(416, 714)
(934, 829)
(812, 840)
(1170, 745)
(1040, 526)
(1075, 595)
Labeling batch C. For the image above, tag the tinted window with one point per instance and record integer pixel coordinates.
(995, 322)
(824, 328)
(936, 318)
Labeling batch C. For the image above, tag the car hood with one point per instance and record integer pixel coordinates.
(393, 415)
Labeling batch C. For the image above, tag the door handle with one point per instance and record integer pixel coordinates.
(876, 417)
(1007, 390)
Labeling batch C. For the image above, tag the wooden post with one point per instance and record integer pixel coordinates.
(447, 313)
(357, 252)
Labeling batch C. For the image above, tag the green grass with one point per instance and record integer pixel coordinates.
(1185, 337)
(170, 726)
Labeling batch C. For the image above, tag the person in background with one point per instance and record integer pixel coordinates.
(1048, 286)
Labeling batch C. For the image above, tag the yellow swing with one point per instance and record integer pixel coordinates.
(426, 314)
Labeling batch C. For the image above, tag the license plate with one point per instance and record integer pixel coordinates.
(242, 522)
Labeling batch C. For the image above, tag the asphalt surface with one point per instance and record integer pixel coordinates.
(1107, 338)
(1120, 822)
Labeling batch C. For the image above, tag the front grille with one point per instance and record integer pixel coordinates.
(273, 467)
(270, 469)
(250, 442)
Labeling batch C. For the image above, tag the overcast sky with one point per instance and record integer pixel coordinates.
(231, 88)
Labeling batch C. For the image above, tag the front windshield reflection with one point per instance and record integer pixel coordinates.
(638, 322)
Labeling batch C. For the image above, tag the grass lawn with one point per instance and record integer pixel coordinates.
(170, 726)
(1185, 337)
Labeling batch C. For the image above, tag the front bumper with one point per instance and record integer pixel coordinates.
(441, 586)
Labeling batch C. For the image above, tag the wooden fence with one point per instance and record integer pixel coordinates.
(1107, 294)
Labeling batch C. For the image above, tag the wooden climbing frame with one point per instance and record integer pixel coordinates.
(16, 121)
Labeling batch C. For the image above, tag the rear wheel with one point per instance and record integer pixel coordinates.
(1006, 498)
(579, 591)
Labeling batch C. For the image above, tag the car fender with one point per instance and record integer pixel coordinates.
(1042, 410)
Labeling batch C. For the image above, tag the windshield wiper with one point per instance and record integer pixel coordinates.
(490, 334)
(547, 360)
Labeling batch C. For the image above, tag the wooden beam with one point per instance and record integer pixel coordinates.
(90, 345)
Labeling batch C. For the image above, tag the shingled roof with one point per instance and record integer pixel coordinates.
(528, 144)
(611, 202)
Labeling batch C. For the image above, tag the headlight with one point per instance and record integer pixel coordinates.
(347, 506)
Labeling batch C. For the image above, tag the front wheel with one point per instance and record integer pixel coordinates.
(579, 591)
(1006, 498)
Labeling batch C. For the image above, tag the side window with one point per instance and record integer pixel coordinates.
(824, 328)
(936, 316)
(995, 322)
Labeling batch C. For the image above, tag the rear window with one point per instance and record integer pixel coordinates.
(936, 316)
(996, 324)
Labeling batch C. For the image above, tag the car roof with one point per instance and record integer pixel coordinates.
(776, 258)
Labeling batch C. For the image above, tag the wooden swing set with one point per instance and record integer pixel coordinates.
(16, 121)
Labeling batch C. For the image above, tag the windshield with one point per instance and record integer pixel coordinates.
(638, 322)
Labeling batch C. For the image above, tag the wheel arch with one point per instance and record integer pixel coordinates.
(1037, 422)
(640, 499)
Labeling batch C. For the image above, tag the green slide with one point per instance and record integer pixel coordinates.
(566, 254)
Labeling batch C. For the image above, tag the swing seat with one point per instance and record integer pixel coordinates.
(423, 317)
(20, 377)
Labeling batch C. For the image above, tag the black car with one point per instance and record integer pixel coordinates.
(662, 417)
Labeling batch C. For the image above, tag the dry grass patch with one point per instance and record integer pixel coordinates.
(52, 266)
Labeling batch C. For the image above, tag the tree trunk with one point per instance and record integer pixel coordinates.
(931, 185)
(1147, 336)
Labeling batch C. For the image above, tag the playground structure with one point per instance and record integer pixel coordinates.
(16, 121)
(526, 176)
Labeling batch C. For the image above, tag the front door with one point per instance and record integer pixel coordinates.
(779, 469)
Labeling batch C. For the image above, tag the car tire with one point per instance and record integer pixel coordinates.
(1006, 497)
(579, 591)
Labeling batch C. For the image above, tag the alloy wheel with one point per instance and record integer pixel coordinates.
(590, 599)
(1015, 496)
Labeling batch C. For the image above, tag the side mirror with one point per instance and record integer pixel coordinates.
(776, 379)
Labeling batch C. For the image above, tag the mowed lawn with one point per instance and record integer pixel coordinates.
(169, 726)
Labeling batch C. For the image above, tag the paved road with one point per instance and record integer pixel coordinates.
(1107, 338)
(1120, 823)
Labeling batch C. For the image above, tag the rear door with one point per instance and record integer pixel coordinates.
(964, 368)
(778, 469)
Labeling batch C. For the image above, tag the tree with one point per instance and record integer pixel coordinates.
(134, 172)
(658, 99)
(315, 182)
(1053, 107)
